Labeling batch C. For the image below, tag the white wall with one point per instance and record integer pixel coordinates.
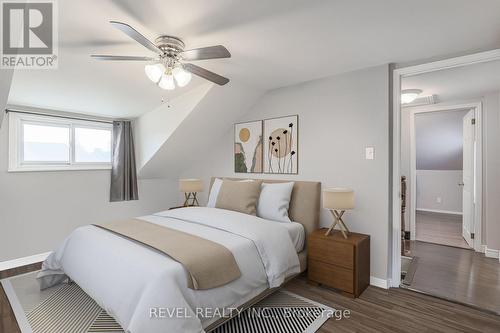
(338, 117)
(439, 140)
(5, 81)
(439, 155)
(38, 209)
(491, 170)
(439, 190)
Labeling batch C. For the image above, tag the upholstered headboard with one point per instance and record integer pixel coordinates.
(304, 204)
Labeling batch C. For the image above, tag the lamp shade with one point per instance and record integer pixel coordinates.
(338, 198)
(190, 185)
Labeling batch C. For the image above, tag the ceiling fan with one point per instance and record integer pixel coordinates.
(168, 67)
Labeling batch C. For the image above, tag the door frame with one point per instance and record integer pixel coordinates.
(478, 164)
(397, 75)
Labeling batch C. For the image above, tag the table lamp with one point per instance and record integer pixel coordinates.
(337, 201)
(190, 187)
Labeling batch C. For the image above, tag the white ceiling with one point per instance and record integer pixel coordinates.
(273, 43)
(456, 84)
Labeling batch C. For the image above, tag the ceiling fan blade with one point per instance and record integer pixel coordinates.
(125, 58)
(206, 74)
(134, 34)
(211, 52)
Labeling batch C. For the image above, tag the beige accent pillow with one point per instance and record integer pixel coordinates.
(239, 196)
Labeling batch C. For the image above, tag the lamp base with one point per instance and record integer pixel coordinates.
(337, 219)
(191, 199)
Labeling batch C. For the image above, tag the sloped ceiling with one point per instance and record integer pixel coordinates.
(438, 140)
(273, 43)
(154, 128)
(203, 126)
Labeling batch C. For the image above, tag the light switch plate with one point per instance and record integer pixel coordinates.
(369, 153)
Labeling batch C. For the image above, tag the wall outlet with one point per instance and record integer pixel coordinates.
(439, 200)
(369, 153)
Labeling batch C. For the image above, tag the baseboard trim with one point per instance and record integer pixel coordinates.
(19, 262)
(491, 253)
(378, 282)
(438, 211)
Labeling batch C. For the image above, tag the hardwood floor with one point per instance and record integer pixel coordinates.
(377, 310)
(462, 275)
(396, 310)
(439, 228)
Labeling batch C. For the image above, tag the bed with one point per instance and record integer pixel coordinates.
(134, 283)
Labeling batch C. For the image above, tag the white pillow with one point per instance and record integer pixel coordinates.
(214, 191)
(274, 201)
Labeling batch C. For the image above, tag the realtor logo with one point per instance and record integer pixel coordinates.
(28, 34)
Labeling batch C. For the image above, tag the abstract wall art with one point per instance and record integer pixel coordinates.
(248, 150)
(281, 145)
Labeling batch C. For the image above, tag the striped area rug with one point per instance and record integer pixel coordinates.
(68, 309)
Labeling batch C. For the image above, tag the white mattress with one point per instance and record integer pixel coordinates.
(297, 234)
(128, 279)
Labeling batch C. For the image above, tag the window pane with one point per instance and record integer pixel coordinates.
(45, 143)
(92, 145)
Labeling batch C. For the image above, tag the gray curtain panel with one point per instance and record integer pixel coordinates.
(123, 172)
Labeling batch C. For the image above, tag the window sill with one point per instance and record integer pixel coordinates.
(59, 168)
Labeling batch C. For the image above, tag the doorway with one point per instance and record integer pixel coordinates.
(442, 160)
(447, 229)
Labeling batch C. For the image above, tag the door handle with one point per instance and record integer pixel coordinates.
(461, 184)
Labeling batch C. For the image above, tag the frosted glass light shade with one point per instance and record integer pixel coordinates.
(338, 198)
(190, 185)
(409, 95)
(154, 72)
(182, 77)
(167, 82)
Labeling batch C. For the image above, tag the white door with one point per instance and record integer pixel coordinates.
(468, 178)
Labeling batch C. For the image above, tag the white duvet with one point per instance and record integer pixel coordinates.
(146, 291)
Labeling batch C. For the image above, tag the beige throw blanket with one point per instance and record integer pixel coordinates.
(208, 264)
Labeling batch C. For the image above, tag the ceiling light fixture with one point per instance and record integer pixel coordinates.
(181, 76)
(409, 95)
(154, 71)
(164, 73)
(167, 81)
(170, 66)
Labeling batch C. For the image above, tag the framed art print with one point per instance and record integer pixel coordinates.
(281, 145)
(248, 150)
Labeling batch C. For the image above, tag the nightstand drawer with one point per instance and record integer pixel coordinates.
(331, 276)
(329, 252)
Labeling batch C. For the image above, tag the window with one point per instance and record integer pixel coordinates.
(43, 143)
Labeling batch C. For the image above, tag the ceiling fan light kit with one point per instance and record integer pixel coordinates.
(167, 82)
(169, 68)
(160, 74)
(155, 71)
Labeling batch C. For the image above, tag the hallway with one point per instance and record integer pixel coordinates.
(456, 274)
(445, 229)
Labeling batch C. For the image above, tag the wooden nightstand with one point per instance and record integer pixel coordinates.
(339, 263)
